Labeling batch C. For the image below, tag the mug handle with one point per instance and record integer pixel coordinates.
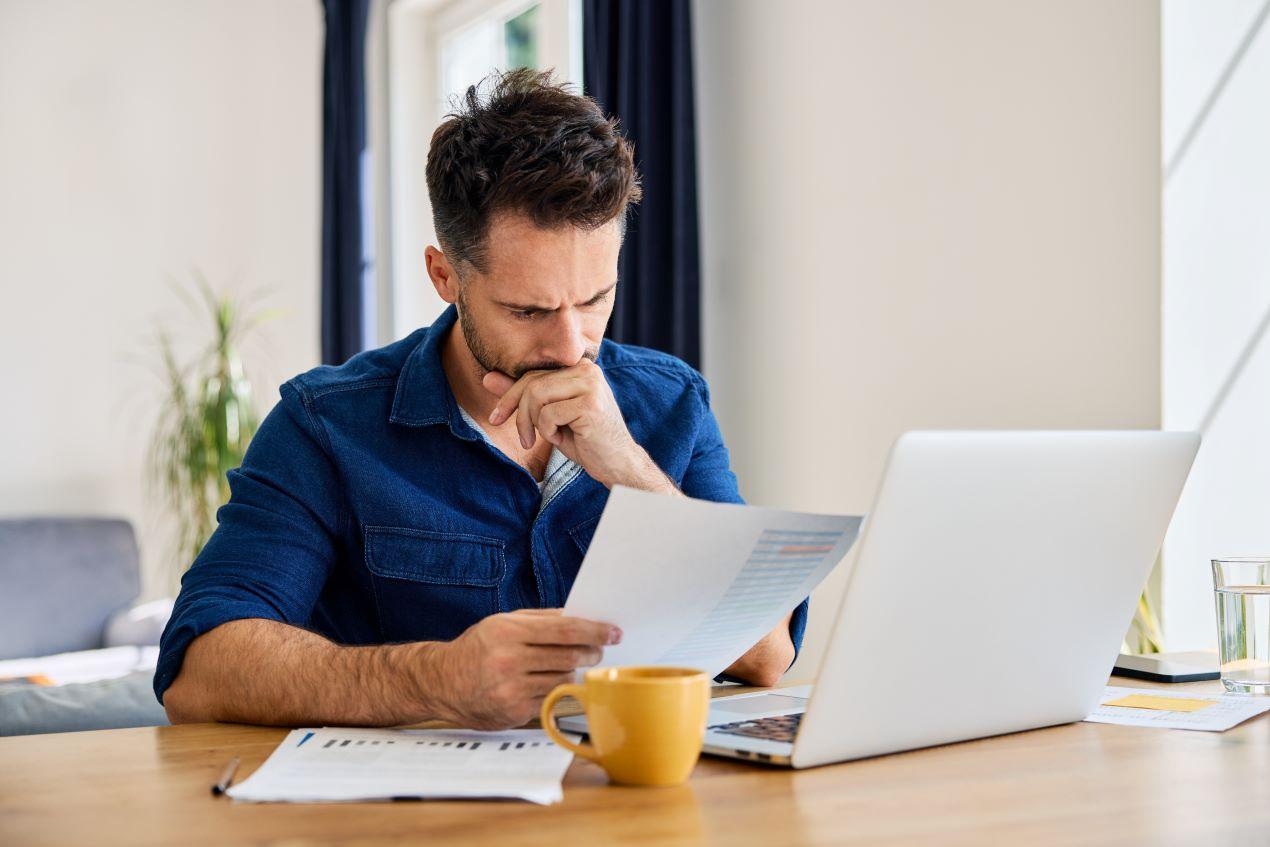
(548, 720)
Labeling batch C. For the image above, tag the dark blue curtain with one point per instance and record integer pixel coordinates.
(637, 62)
(343, 142)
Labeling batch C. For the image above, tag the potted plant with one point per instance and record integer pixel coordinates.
(206, 420)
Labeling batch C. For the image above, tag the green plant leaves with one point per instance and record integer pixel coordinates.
(206, 419)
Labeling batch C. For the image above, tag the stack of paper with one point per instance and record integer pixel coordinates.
(83, 665)
(333, 765)
(1164, 709)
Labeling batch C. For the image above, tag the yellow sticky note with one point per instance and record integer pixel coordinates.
(1167, 704)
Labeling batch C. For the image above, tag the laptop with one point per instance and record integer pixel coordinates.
(993, 585)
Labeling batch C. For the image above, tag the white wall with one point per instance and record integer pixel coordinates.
(1216, 295)
(923, 214)
(141, 139)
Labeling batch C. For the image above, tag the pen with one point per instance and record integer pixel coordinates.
(225, 778)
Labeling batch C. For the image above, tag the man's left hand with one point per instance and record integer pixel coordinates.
(574, 409)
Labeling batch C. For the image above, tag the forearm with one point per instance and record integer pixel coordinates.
(765, 662)
(266, 672)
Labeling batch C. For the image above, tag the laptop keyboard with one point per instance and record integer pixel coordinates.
(782, 728)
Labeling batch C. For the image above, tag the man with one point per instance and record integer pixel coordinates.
(405, 527)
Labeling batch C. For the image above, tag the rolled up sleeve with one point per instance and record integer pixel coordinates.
(709, 477)
(275, 540)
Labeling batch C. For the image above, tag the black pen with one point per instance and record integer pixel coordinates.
(226, 778)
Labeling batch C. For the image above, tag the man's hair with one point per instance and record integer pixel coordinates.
(520, 142)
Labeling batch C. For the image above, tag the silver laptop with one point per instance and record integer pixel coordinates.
(993, 584)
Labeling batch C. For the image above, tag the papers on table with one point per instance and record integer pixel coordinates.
(83, 665)
(1152, 707)
(696, 584)
(339, 765)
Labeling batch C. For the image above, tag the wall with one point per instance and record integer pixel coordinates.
(1216, 294)
(923, 215)
(142, 139)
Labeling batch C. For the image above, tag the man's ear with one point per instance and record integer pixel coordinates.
(444, 278)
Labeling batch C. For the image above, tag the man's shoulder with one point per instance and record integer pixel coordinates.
(368, 370)
(648, 368)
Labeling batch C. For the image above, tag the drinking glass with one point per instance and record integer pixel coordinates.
(1242, 587)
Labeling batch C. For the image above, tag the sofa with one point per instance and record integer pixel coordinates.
(75, 652)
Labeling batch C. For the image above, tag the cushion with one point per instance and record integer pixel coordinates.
(63, 578)
(105, 704)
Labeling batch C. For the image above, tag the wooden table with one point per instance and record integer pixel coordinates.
(1081, 783)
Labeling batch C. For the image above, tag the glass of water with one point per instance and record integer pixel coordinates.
(1243, 623)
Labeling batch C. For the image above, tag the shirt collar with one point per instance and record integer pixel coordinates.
(424, 396)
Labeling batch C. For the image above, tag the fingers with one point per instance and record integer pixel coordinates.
(566, 631)
(578, 375)
(511, 398)
(540, 684)
(556, 612)
(551, 659)
(538, 395)
(497, 383)
(556, 415)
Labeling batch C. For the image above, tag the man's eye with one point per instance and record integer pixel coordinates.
(522, 315)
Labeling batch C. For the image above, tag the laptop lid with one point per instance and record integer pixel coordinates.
(995, 580)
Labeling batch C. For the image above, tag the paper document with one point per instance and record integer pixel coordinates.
(339, 765)
(695, 584)
(1155, 707)
(83, 665)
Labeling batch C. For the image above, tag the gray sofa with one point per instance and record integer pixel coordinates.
(62, 580)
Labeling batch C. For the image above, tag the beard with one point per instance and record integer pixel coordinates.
(491, 360)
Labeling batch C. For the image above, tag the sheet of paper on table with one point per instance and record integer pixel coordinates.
(695, 584)
(332, 765)
(1209, 712)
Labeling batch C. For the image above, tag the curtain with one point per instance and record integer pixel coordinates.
(637, 62)
(344, 261)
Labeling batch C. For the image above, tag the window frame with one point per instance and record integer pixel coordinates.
(405, 75)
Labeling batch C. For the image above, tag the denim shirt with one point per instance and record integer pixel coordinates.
(369, 511)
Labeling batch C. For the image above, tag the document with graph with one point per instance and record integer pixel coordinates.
(696, 584)
(332, 765)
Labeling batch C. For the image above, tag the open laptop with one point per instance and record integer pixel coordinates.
(993, 584)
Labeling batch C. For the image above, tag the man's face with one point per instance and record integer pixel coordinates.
(545, 298)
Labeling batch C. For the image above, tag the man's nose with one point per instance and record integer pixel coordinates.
(565, 342)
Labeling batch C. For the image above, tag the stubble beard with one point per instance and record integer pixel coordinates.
(487, 360)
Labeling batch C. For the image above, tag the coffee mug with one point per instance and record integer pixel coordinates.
(645, 723)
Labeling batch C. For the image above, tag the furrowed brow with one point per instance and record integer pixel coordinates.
(530, 307)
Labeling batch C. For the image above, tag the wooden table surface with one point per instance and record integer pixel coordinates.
(1081, 783)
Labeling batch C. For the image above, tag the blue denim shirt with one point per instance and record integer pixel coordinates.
(368, 510)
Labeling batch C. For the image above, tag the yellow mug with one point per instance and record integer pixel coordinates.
(645, 723)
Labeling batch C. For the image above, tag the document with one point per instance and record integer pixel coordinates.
(332, 765)
(82, 665)
(695, 584)
(1161, 708)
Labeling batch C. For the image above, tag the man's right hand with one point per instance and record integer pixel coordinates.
(496, 674)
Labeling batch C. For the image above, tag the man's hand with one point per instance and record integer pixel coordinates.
(574, 409)
(496, 674)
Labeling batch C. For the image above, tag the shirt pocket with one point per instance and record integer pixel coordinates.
(584, 532)
(570, 551)
(430, 586)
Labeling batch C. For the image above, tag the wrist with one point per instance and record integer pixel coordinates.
(638, 470)
(424, 674)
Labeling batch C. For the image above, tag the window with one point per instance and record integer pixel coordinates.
(1216, 297)
(432, 51)
(501, 39)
